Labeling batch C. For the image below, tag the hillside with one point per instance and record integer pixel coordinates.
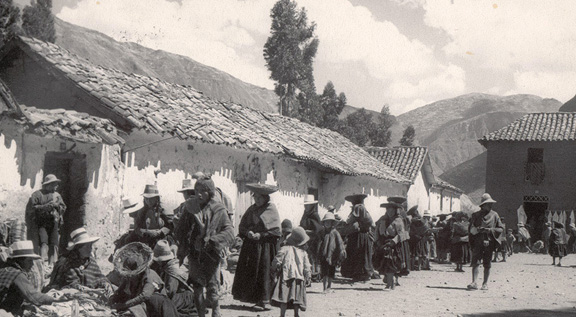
(451, 127)
(470, 176)
(134, 58)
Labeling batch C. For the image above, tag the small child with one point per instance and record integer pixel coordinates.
(510, 239)
(558, 240)
(332, 250)
(286, 230)
(292, 269)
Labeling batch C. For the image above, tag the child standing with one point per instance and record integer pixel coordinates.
(510, 239)
(558, 239)
(332, 250)
(293, 271)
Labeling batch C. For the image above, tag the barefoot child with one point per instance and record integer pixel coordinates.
(292, 268)
(332, 250)
(558, 239)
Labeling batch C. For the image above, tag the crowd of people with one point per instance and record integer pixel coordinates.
(172, 263)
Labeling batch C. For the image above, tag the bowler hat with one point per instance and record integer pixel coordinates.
(298, 237)
(162, 251)
(486, 198)
(263, 189)
(151, 191)
(186, 186)
(50, 178)
(23, 249)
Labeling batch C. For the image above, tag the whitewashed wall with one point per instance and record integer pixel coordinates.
(418, 194)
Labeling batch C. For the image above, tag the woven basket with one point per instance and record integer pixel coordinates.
(135, 250)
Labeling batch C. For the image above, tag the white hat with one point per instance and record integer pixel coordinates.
(23, 249)
(186, 186)
(131, 205)
(50, 178)
(329, 217)
(426, 213)
(80, 236)
(309, 199)
(487, 199)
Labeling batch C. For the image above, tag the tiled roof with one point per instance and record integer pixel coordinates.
(553, 126)
(405, 160)
(70, 124)
(444, 184)
(170, 109)
(7, 101)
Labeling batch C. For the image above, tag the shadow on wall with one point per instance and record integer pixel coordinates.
(529, 312)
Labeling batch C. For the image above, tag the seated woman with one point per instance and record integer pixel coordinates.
(142, 291)
(174, 279)
(78, 269)
(15, 287)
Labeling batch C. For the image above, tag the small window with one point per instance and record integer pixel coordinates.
(535, 155)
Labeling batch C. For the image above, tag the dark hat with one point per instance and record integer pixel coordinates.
(355, 197)
(397, 199)
(132, 259)
(390, 204)
(262, 189)
(298, 237)
(205, 185)
(286, 226)
(198, 175)
(558, 224)
(413, 211)
(151, 191)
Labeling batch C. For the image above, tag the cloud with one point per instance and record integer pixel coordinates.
(534, 39)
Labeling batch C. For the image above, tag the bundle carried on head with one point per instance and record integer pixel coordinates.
(132, 259)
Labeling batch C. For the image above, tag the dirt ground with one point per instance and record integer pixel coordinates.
(526, 285)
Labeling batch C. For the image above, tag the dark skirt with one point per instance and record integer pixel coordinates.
(291, 292)
(358, 263)
(252, 278)
(460, 253)
(393, 259)
(403, 250)
(419, 248)
(557, 250)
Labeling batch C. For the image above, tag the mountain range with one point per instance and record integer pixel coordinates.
(450, 128)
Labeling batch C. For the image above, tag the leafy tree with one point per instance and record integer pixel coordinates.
(408, 136)
(358, 127)
(38, 21)
(9, 18)
(381, 135)
(289, 53)
(332, 105)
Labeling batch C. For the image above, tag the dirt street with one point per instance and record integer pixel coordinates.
(526, 285)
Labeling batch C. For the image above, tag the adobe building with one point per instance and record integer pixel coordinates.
(426, 190)
(107, 134)
(531, 163)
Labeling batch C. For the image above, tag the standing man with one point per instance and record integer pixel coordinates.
(44, 214)
(188, 193)
(207, 230)
(485, 229)
(220, 196)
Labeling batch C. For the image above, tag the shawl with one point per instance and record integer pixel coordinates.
(332, 249)
(72, 271)
(489, 220)
(360, 215)
(172, 268)
(559, 236)
(391, 228)
(311, 221)
(418, 229)
(267, 215)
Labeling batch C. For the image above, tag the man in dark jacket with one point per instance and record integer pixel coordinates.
(205, 231)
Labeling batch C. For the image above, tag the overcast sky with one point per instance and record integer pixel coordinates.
(405, 53)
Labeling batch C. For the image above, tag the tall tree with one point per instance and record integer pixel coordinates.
(332, 105)
(408, 136)
(381, 135)
(38, 21)
(9, 18)
(358, 127)
(289, 53)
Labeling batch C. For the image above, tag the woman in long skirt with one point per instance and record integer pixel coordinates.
(558, 240)
(460, 248)
(359, 226)
(419, 233)
(260, 230)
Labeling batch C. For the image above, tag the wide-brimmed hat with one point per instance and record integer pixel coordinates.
(186, 186)
(286, 226)
(137, 252)
(298, 237)
(355, 197)
(426, 213)
(309, 200)
(331, 208)
(390, 204)
(329, 217)
(151, 191)
(80, 236)
(486, 198)
(558, 224)
(413, 211)
(23, 249)
(263, 189)
(162, 251)
(50, 178)
(131, 205)
(397, 199)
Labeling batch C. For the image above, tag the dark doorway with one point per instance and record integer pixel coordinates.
(536, 213)
(70, 168)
